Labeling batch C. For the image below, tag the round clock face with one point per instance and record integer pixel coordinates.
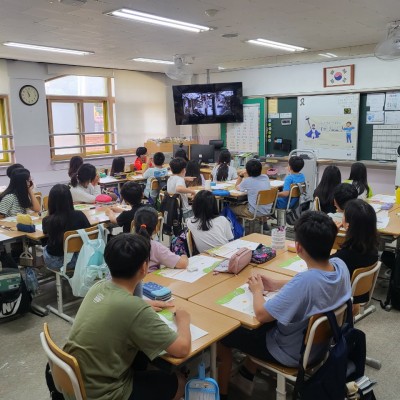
(29, 95)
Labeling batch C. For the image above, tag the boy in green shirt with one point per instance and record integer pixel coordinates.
(112, 327)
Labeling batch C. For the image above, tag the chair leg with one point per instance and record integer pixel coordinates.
(373, 363)
(281, 387)
(60, 305)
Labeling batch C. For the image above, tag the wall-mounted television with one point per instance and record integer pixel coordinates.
(212, 103)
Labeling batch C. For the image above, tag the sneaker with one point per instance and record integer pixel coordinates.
(244, 385)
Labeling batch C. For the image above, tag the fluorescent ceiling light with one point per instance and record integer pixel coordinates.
(152, 60)
(276, 45)
(45, 48)
(154, 19)
(328, 55)
(221, 68)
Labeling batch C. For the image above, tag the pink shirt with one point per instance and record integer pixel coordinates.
(161, 255)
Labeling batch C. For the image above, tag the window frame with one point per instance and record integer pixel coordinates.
(7, 155)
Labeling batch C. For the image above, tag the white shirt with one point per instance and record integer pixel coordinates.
(232, 173)
(219, 234)
(85, 195)
(173, 182)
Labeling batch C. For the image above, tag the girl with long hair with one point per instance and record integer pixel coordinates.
(118, 166)
(358, 177)
(85, 185)
(61, 218)
(324, 191)
(223, 171)
(74, 163)
(193, 171)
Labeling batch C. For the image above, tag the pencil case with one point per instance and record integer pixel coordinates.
(240, 260)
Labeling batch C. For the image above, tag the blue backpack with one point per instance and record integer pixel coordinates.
(237, 228)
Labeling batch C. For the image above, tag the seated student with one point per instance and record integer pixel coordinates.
(146, 219)
(296, 164)
(61, 218)
(324, 286)
(19, 197)
(74, 163)
(252, 182)
(324, 191)
(141, 158)
(85, 185)
(132, 194)
(117, 166)
(181, 153)
(360, 248)
(158, 171)
(176, 184)
(193, 171)
(12, 168)
(342, 193)
(209, 229)
(223, 171)
(358, 177)
(109, 347)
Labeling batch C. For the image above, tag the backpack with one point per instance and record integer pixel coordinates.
(201, 387)
(179, 244)
(345, 362)
(90, 265)
(32, 283)
(172, 213)
(393, 294)
(301, 206)
(236, 227)
(14, 296)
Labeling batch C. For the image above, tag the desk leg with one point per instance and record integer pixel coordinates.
(213, 361)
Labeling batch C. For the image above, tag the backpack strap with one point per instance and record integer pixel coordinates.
(84, 236)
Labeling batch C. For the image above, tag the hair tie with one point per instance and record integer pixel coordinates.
(143, 226)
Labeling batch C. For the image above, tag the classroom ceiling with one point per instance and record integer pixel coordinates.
(343, 27)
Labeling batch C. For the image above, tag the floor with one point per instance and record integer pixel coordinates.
(22, 360)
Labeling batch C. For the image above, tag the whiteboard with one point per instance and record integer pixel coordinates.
(328, 124)
(244, 136)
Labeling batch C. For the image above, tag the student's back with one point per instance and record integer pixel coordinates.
(358, 178)
(223, 171)
(324, 191)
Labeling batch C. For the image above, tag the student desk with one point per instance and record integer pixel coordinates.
(209, 297)
(217, 326)
(186, 289)
(265, 240)
(274, 264)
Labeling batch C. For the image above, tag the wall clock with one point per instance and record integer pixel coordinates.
(29, 95)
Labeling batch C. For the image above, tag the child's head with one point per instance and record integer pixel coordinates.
(159, 159)
(296, 164)
(205, 208)
(141, 153)
(348, 123)
(343, 193)
(60, 200)
(358, 172)
(181, 153)
(74, 163)
(359, 220)
(20, 182)
(313, 126)
(126, 255)
(118, 165)
(146, 219)
(224, 157)
(331, 176)
(12, 168)
(193, 170)
(253, 168)
(315, 232)
(132, 193)
(85, 174)
(177, 165)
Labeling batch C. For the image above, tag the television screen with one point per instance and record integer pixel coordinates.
(212, 103)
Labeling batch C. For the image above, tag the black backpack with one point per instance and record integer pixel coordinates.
(345, 363)
(14, 296)
(172, 213)
(393, 294)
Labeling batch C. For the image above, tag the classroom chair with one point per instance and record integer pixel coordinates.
(45, 205)
(39, 197)
(191, 244)
(294, 193)
(363, 283)
(64, 368)
(317, 204)
(318, 333)
(72, 244)
(264, 197)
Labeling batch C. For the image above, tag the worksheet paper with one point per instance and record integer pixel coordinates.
(382, 219)
(241, 299)
(168, 317)
(204, 265)
(375, 117)
(383, 198)
(294, 264)
(14, 219)
(376, 101)
(229, 249)
(4, 237)
(276, 183)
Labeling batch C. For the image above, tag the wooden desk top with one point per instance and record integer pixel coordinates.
(217, 326)
(274, 264)
(208, 298)
(393, 227)
(186, 289)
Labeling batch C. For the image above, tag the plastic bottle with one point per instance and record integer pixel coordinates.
(397, 195)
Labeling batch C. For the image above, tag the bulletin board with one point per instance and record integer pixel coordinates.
(328, 124)
(249, 135)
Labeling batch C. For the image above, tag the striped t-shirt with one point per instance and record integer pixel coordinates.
(9, 206)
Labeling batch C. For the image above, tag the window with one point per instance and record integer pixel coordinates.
(81, 112)
(6, 139)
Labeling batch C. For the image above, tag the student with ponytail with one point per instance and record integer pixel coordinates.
(146, 219)
(85, 185)
(223, 171)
